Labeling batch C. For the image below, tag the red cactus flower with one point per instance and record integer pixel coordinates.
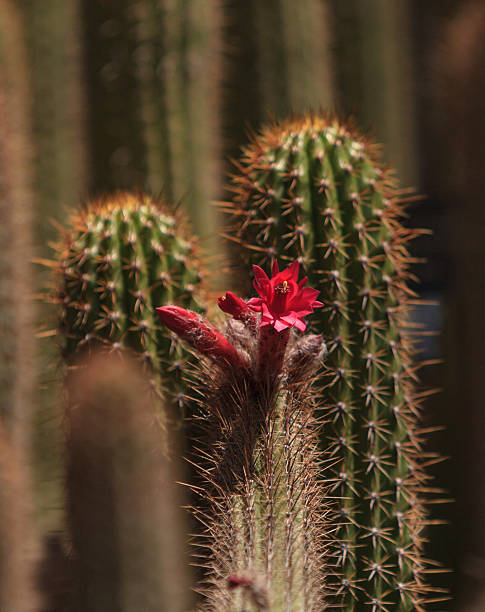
(283, 300)
(202, 336)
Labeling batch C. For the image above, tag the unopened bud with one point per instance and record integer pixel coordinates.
(200, 334)
(237, 307)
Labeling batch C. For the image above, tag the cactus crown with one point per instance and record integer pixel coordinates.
(123, 255)
(315, 191)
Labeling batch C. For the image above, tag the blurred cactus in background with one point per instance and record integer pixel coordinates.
(17, 352)
(124, 516)
(58, 141)
(459, 64)
(374, 78)
(315, 191)
(153, 81)
(279, 61)
(104, 101)
(18, 553)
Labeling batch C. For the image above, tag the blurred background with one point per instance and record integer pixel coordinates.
(159, 94)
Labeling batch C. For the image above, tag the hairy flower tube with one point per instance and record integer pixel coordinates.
(197, 332)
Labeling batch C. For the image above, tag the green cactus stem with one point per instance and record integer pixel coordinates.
(53, 41)
(372, 51)
(264, 511)
(122, 256)
(279, 61)
(314, 190)
(124, 514)
(152, 88)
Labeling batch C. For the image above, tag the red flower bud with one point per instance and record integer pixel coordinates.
(237, 307)
(197, 332)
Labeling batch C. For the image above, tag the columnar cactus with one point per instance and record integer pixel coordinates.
(152, 87)
(53, 40)
(18, 554)
(123, 512)
(263, 506)
(278, 61)
(17, 349)
(314, 190)
(122, 256)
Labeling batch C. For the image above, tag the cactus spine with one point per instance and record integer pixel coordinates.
(152, 90)
(122, 256)
(127, 540)
(312, 189)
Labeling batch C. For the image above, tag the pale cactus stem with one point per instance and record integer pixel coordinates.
(264, 511)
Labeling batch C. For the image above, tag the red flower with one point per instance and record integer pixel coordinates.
(192, 328)
(284, 301)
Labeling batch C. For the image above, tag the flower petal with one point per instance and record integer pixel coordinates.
(280, 325)
(261, 283)
(303, 282)
(255, 304)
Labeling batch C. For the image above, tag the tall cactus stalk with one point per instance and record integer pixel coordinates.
(372, 47)
(153, 71)
(263, 506)
(123, 255)
(314, 190)
(52, 36)
(18, 554)
(278, 62)
(123, 511)
(17, 352)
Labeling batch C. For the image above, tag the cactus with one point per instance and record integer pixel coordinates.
(123, 510)
(372, 51)
(123, 255)
(314, 190)
(153, 71)
(18, 553)
(278, 62)
(17, 353)
(263, 507)
(53, 41)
